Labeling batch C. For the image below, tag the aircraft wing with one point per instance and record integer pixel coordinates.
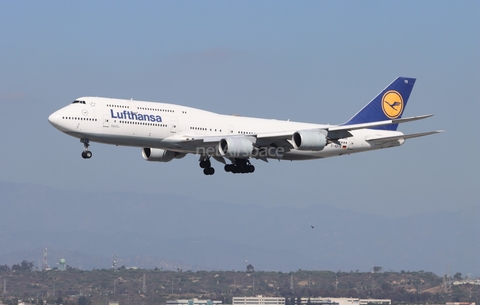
(209, 144)
(335, 131)
(279, 139)
(191, 142)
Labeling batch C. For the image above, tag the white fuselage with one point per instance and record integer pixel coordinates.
(153, 125)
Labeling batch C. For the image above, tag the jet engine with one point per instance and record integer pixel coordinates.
(233, 147)
(160, 155)
(309, 140)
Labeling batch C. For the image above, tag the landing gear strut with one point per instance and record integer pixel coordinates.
(207, 166)
(240, 166)
(86, 154)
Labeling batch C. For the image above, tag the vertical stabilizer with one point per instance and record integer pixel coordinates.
(388, 104)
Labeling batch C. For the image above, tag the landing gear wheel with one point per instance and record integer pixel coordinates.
(205, 164)
(240, 166)
(209, 171)
(86, 154)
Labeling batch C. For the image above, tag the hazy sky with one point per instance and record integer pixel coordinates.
(312, 61)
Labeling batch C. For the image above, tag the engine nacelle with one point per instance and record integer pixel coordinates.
(233, 147)
(309, 140)
(160, 155)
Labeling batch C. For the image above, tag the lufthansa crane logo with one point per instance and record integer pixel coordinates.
(392, 104)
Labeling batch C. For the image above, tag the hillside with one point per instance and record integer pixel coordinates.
(98, 285)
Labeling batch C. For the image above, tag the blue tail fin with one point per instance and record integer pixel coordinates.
(389, 104)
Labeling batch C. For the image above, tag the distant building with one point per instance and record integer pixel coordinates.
(460, 303)
(345, 301)
(331, 301)
(319, 301)
(258, 300)
(375, 301)
(467, 282)
(194, 302)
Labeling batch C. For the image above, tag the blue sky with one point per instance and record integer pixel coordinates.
(309, 61)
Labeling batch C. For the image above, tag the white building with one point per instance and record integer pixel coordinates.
(345, 301)
(331, 301)
(258, 300)
(375, 301)
(194, 302)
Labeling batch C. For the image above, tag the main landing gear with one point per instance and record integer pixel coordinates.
(207, 167)
(238, 166)
(86, 154)
(241, 166)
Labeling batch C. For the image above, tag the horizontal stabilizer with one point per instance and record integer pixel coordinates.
(402, 137)
(371, 125)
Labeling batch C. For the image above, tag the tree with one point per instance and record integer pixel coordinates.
(83, 300)
(457, 276)
(386, 287)
(23, 266)
(26, 266)
(4, 268)
(13, 301)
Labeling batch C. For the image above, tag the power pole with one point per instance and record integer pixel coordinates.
(234, 285)
(114, 262)
(144, 285)
(45, 263)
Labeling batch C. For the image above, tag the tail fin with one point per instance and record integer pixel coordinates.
(388, 104)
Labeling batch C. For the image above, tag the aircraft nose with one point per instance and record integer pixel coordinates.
(53, 119)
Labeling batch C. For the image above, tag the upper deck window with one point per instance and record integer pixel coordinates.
(77, 101)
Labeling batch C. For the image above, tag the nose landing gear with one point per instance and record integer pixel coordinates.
(86, 154)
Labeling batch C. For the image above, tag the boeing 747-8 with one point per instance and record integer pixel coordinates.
(167, 131)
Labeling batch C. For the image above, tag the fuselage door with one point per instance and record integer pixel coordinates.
(106, 120)
(174, 126)
(350, 143)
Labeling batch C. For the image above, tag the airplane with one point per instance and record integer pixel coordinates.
(168, 131)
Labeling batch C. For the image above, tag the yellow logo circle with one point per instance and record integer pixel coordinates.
(392, 104)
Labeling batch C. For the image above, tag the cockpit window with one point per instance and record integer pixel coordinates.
(77, 101)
